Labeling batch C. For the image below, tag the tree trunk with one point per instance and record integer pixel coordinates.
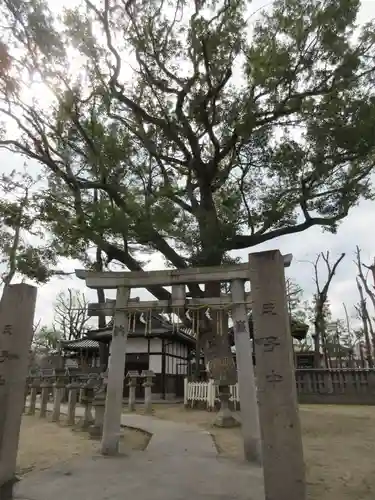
(103, 348)
(215, 341)
(317, 338)
(316, 349)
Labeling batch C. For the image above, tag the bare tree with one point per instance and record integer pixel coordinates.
(366, 324)
(71, 314)
(321, 297)
(363, 277)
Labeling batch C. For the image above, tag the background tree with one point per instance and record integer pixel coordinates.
(321, 305)
(210, 142)
(70, 314)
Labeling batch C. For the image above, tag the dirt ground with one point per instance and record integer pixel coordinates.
(339, 447)
(43, 444)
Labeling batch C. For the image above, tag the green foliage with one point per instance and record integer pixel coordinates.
(36, 263)
(19, 226)
(182, 135)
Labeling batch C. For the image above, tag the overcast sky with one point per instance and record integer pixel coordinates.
(357, 229)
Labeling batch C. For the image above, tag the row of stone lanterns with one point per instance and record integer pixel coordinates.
(91, 394)
(77, 392)
(147, 376)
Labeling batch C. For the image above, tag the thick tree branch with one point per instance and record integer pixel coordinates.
(245, 241)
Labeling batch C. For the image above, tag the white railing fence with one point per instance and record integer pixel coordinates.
(207, 392)
(327, 386)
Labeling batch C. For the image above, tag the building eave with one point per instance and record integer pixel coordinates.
(79, 345)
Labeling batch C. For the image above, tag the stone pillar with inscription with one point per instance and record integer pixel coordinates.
(282, 453)
(246, 380)
(17, 308)
(116, 369)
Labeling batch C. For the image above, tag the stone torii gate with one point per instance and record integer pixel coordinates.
(269, 408)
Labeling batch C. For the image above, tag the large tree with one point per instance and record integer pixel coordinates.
(201, 137)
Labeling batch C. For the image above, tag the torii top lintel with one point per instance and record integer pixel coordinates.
(142, 279)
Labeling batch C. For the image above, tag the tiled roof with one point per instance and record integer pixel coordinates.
(80, 344)
(187, 331)
(158, 323)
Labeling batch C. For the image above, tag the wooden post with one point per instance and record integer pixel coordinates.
(284, 470)
(17, 308)
(246, 379)
(116, 370)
